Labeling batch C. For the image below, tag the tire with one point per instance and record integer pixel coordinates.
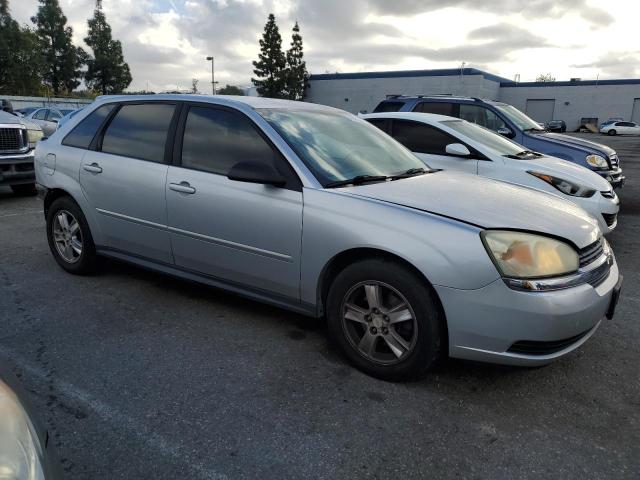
(396, 284)
(80, 263)
(25, 189)
(612, 132)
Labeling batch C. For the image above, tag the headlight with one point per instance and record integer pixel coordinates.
(597, 161)
(33, 136)
(525, 255)
(20, 451)
(565, 186)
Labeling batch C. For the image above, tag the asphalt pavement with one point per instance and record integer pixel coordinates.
(142, 376)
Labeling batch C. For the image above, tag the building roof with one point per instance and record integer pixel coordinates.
(443, 72)
(574, 83)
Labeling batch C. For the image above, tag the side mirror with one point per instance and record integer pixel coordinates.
(457, 149)
(256, 172)
(506, 132)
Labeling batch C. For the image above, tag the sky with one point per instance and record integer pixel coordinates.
(165, 42)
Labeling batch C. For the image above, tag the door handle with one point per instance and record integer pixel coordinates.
(182, 187)
(93, 168)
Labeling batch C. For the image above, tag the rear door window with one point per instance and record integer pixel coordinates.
(41, 114)
(139, 131)
(387, 106)
(82, 134)
(381, 123)
(440, 108)
(421, 138)
(480, 116)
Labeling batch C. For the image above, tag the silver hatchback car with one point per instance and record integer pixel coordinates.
(312, 209)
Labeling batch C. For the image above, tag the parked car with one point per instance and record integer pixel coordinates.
(18, 138)
(454, 144)
(25, 111)
(507, 120)
(621, 128)
(556, 126)
(47, 118)
(313, 209)
(68, 116)
(26, 451)
(611, 120)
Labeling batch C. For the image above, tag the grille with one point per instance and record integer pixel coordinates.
(614, 160)
(590, 253)
(610, 218)
(608, 194)
(11, 139)
(530, 347)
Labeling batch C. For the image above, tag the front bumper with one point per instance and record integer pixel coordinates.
(614, 177)
(492, 324)
(17, 169)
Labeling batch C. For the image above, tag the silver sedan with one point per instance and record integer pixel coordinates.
(315, 210)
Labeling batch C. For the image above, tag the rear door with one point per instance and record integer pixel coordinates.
(429, 144)
(124, 179)
(237, 232)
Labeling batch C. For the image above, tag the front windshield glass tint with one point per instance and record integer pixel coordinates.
(339, 146)
(497, 143)
(520, 119)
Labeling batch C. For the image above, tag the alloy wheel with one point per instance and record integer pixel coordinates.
(67, 236)
(379, 322)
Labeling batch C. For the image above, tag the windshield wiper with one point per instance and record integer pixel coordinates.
(357, 180)
(412, 172)
(524, 154)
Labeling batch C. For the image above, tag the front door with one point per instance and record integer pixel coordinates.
(236, 232)
(125, 181)
(429, 144)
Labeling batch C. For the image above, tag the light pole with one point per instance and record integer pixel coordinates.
(213, 78)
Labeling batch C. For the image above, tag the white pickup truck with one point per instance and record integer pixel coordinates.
(18, 138)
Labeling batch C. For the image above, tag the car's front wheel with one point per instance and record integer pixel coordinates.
(611, 132)
(69, 237)
(385, 319)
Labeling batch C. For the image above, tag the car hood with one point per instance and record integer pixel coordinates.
(486, 203)
(586, 145)
(567, 171)
(6, 117)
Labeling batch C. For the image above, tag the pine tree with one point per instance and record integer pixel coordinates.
(296, 71)
(271, 65)
(62, 60)
(107, 72)
(20, 62)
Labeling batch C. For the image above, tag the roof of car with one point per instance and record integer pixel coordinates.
(417, 116)
(231, 100)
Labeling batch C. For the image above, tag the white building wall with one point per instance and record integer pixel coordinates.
(364, 94)
(574, 102)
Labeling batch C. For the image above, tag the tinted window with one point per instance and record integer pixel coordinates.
(481, 116)
(215, 140)
(381, 123)
(83, 133)
(384, 107)
(139, 131)
(40, 114)
(441, 108)
(421, 138)
(54, 115)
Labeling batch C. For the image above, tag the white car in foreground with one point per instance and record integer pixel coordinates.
(621, 128)
(453, 144)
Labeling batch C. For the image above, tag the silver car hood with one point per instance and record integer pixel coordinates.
(486, 203)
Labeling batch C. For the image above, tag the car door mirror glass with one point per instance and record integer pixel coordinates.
(256, 172)
(506, 132)
(457, 149)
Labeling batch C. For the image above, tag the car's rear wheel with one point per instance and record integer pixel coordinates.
(25, 189)
(385, 319)
(612, 132)
(69, 237)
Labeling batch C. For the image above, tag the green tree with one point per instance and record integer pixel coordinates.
(20, 62)
(231, 90)
(271, 65)
(107, 72)
(296, 71)
(62, 60)
(545, 77)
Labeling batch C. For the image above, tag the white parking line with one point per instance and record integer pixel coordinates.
(118, 419)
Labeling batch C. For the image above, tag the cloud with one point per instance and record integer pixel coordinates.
(616, 64)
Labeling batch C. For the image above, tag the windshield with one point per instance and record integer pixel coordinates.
(520, 119)
(493, 141)
(339, 146)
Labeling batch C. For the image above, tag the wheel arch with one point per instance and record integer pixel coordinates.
(52, 195)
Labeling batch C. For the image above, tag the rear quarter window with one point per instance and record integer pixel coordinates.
(82, 134)
(440, 108)
(386, 106)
